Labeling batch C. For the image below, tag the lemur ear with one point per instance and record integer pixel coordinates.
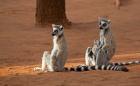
(109, 21)
(61, 27)
(99, 18)
(53, 25)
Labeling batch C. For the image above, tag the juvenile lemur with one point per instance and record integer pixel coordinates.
(56, 60)
(104, 49)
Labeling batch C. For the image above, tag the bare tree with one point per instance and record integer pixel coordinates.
(51, 11)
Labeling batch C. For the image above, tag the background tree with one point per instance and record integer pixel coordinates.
(51, 11)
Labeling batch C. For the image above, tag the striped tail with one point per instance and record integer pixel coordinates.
(126, 63)
(102, 67)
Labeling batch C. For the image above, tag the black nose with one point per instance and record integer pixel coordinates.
(53, 34)
(101, 27)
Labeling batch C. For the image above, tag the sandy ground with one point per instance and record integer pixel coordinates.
(22, 44)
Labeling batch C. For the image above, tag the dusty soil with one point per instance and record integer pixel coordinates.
(22, 44)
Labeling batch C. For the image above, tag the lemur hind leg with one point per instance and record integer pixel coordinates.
(101, 58)
(45, 62)
(59, 64)
(89, 57)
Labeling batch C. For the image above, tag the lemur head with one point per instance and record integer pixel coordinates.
(57, 30)
(104, 23)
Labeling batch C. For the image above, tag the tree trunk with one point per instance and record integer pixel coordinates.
(51, 11)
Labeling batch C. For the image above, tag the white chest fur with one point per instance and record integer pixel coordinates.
(55, 43)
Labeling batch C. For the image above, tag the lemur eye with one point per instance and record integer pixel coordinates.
(61, 28)
(104, 24)
(56, 31)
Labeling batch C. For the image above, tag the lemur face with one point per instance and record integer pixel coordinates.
(104, 23)
(57, 30)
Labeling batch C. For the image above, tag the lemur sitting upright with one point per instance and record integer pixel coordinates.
(56, 60)
(104, 48)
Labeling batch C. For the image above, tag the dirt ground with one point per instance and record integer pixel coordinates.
(22, 44)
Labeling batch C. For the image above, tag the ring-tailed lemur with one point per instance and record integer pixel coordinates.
(94, 60)
(57, 59)
(104, 48)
